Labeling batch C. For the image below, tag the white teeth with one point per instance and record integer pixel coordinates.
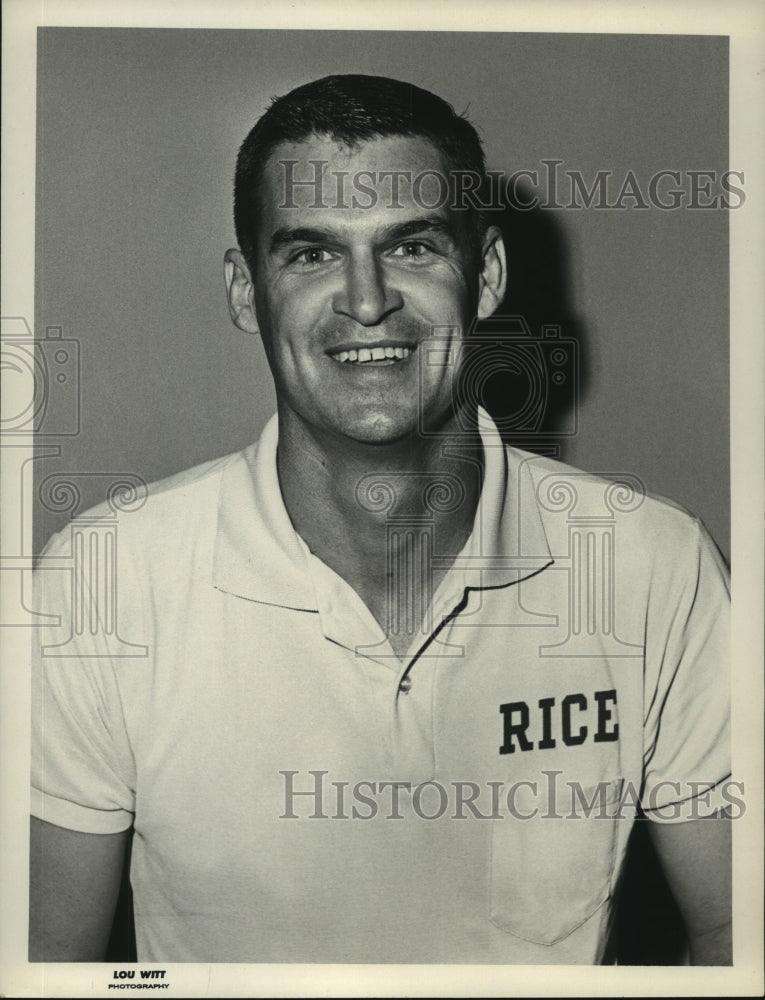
(365, 354)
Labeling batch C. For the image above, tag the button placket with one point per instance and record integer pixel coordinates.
(411, 724)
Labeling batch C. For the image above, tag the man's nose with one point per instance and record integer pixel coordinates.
(366, 295)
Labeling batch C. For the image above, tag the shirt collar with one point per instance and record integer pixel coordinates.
(259, 555)
(508, 542)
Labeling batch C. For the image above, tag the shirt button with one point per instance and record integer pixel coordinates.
(405, 685)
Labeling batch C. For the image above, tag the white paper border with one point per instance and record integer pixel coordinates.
(744, 22)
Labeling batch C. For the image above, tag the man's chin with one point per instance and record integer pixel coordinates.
(373, 425)
(353, 426)
(395, 428)
(381, 431)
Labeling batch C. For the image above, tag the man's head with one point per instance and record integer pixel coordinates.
(352, 109)
(347, 274)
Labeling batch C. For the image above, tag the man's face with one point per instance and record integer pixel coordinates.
(351, 281)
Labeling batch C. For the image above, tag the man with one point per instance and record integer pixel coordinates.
(377, 689)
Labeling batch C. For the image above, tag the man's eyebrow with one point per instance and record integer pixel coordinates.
(418, 227)
(287, 236)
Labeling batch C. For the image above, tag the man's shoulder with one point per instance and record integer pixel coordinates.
(193, 483)
(183, 504)
(564, 493)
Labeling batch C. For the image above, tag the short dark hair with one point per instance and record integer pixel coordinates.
(351, 109)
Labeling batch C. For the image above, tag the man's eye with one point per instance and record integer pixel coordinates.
(312, 256)
(412, 248)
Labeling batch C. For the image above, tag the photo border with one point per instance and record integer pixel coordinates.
(744, 23)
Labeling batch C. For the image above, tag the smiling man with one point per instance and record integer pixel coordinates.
(392, 705)
(344, 292)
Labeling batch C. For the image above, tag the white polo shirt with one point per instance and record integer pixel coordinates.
(301, 795)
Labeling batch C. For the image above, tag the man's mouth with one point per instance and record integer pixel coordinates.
(372, 355)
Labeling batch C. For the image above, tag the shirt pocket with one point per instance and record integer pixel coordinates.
(551, 873)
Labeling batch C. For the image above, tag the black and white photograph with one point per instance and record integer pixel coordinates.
(384, 444)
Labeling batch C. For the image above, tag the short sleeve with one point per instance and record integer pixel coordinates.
(83, 772)
(687, 695)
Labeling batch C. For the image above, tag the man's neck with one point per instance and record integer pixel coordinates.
(345, 497)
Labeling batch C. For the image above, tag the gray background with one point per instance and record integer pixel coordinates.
(137, 136)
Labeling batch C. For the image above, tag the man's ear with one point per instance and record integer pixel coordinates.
(493, 278)
(240, 291)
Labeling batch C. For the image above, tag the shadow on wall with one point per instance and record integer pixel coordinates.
(532, 375)
(648, 929)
